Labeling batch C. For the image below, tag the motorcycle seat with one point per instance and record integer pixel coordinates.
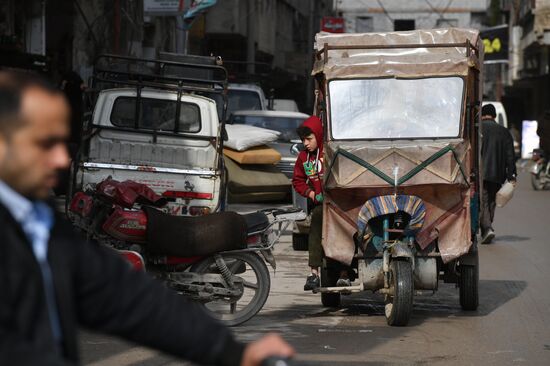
(185, 236)
(255, 222)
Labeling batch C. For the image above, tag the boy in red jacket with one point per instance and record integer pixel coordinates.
(307, 181)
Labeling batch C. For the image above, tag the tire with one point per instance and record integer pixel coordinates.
(329, 276)
(536, 183)
(468, 284)
(399, 306)
(228, 313)
(300, 242)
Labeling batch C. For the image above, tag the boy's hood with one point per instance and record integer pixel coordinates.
(316, 126)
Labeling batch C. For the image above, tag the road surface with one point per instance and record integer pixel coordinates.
(512, 325)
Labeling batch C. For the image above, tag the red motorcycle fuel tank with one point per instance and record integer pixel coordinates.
(127, 225)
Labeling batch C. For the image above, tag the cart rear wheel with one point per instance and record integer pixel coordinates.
(399, 305)
(468, 285)
(329, 276)
(300, 241)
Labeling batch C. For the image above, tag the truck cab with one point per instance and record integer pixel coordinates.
(150, 125)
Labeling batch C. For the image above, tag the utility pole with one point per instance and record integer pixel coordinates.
(182, 35)
(310, 43)
(251, 22)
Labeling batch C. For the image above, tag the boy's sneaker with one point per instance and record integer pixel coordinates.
(488, 237)
(313, 282)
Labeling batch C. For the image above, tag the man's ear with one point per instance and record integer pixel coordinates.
(3, 148)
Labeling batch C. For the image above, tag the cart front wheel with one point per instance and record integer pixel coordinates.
(399, 304)
(468, 285)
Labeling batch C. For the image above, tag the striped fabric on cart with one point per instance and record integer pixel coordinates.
(383, 205)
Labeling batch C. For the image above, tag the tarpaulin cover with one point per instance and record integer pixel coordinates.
(128, 192)
(398, 62)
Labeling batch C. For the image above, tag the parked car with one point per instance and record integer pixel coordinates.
(240, 97)
(285, 105)
(283, 121)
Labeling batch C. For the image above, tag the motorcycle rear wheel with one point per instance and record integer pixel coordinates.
(256, 287)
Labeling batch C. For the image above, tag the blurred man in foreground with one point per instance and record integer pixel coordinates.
(52, 282)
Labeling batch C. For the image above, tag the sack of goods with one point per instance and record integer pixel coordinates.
(243, 137)
(505, 194)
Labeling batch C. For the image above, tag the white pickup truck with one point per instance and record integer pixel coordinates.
(150, 125)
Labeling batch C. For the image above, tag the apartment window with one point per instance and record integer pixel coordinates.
(363, 25)
(403, 24)
(446, 23)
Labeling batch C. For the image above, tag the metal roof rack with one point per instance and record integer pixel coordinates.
(322, 54)
(202, 74)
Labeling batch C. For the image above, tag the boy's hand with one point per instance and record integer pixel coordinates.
(311, 195)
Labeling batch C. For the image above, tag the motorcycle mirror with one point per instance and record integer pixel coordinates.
(296, 148)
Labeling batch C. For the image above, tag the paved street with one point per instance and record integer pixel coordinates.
(512, 325)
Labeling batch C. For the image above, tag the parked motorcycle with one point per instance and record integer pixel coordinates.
(218, 259)
(540, 171)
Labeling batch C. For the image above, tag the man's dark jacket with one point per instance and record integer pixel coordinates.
(95, 289)
(497, 151)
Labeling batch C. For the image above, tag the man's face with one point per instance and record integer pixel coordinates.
(310, 142)
(32, 155)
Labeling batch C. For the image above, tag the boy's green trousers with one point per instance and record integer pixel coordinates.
(314, 240)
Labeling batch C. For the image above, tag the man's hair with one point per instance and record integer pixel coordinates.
(303, 132)
(489, 110)
(13, 85)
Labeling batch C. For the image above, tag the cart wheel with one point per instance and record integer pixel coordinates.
(468, 285)
(536, 182)
(399, 306)
(300, 241)
(329, 276)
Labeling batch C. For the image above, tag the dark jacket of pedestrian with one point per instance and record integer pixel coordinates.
(497, 151)
(87, 277)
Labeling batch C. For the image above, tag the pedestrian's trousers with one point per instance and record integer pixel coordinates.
(314, 240)
(488, 205)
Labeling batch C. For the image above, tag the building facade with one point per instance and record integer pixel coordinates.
(396, 15)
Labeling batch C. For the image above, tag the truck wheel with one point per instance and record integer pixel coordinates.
(300, 241)
(468, 283)
(399, 305)
(329, 276)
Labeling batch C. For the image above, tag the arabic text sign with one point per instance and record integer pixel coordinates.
(163, 6)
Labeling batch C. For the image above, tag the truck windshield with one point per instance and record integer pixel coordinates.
(396, 108)
(156, 114)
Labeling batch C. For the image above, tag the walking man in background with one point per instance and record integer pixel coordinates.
(497, 152)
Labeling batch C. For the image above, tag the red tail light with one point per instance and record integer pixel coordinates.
(188, 195)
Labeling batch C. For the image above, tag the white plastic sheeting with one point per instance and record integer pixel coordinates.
(396, 108)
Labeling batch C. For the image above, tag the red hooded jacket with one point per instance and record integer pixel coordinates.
(308, 171)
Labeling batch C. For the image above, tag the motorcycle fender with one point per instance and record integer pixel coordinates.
(269, 258)
(401, 250)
